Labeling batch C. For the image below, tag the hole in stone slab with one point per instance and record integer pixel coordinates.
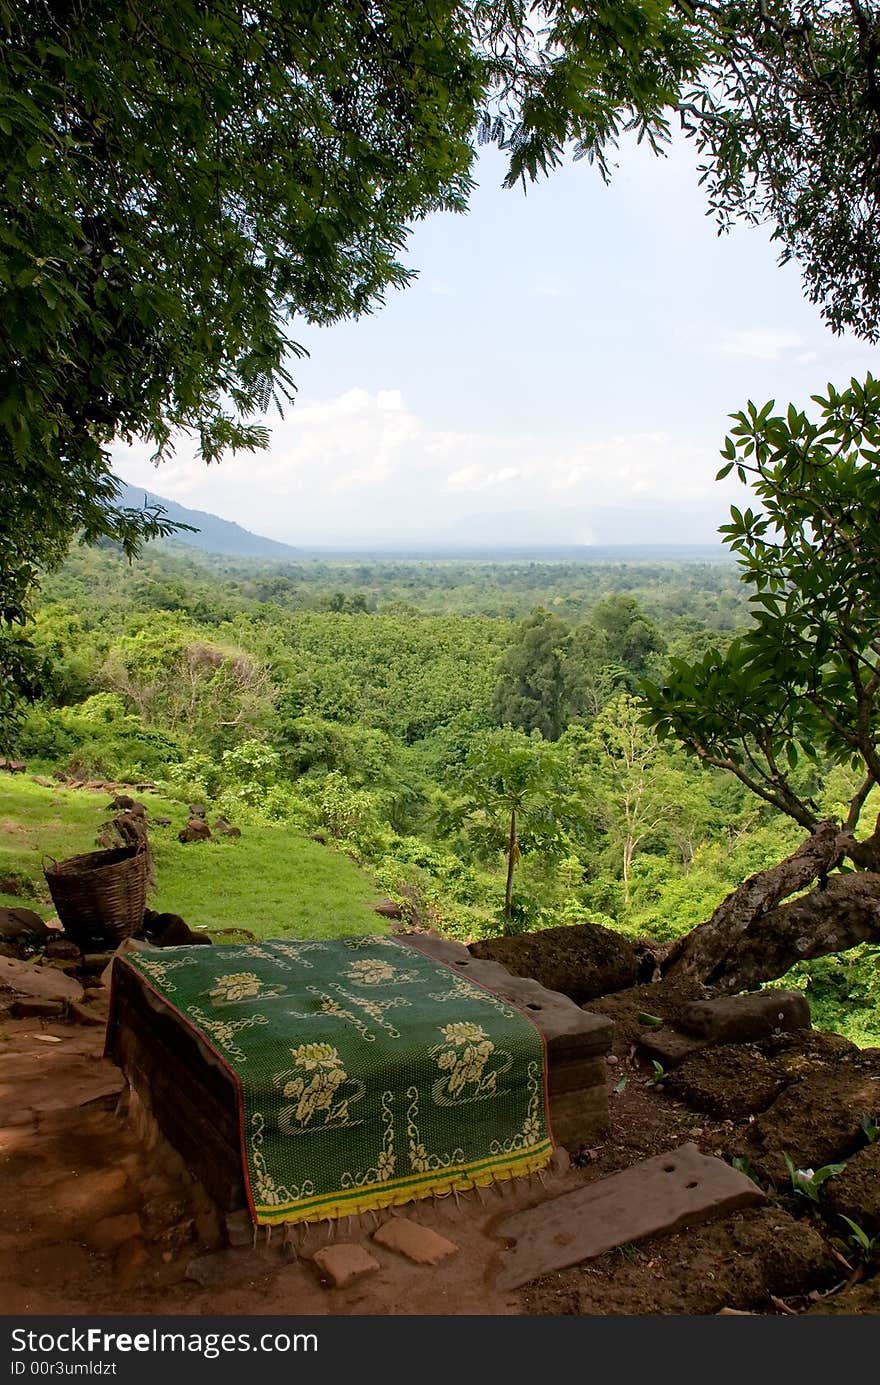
(669, 1168)
(693, 1184)
(461, 964)
(530, 1006)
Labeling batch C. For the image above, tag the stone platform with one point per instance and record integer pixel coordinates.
(182, 1086)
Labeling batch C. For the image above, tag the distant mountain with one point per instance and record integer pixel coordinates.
(215, 535)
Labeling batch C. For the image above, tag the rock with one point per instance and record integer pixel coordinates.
(196, 830)
(740, 1019)
(161, 822)
(667, 1046)
(43, 782)
(137, 810)
(728, 1082)
(19, 951)
(13, 766)
(34, 1008)
(225, 829)
(855, 1193)
(656, 1195)
(561, 1160)
(170, 930)
(342, 1264)
(816, 1121)
(122, 803)
(110, 1232)
(22, 926)
(81, 1014)
(418, 1243)
(40, 983)
(239, 1228)
(198, 810)
(582, 960)
(388, 909)
(63, 950)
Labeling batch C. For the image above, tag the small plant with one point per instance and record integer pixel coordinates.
(743, 1164)
(871, 1128)
(620, 1086)
(658, 1074)
(867, 1246)
(808, 1182)
(644, 1018)
(628, 1252)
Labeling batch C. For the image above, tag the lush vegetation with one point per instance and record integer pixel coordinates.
(393, 710)
(185, 181)
(273, 882)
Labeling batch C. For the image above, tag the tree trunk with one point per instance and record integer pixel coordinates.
(511, 864)
(705, 952)
(844, 913)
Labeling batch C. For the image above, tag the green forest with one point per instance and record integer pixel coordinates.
(470, 733)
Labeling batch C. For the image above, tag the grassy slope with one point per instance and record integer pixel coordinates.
(272, 882)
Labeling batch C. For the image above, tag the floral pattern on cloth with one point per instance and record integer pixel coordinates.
(366, 1073)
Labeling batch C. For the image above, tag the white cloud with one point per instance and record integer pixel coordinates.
(760, 343)
(364, 469)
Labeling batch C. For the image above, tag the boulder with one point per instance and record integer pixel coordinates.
(582, 961)
(63, 950)
(196, 830)
(855, 1193)
(23, 928)
(170, 930)
(388, 909)
(41, 983)
(226, 829)
(198, 810)
(122, 803)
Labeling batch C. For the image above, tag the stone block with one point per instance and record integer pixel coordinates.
(580, 1117)
(418, 1243)
(739, 1019)
(343, 1263)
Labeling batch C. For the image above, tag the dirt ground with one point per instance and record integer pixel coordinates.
(95, 1221)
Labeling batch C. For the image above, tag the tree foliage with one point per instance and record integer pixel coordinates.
(801, 687)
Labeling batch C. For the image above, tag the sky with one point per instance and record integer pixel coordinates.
(561, 372)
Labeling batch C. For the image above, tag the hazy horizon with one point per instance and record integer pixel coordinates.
(561, 372)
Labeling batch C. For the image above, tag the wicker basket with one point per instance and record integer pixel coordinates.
(100, 896)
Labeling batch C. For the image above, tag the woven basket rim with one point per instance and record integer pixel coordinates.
(89, 862)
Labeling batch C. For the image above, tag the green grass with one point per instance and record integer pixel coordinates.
(271, 881)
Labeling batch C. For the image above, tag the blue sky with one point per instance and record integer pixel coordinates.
(561, 372)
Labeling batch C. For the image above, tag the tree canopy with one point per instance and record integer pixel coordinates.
(186, 181)
(802, 684)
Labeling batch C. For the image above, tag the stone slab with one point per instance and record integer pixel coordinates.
(41, 983)
(661, 1194)
(418, 1243)
(668, 1047)
(343, 1263)
(742, 1019)
(570, 1032)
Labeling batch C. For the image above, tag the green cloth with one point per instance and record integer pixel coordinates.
(367, 1073)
